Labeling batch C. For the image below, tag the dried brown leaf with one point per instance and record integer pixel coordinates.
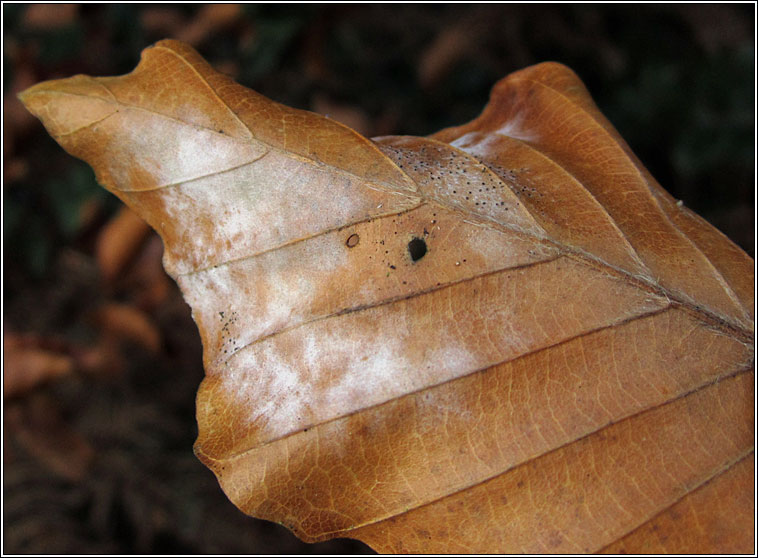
(449, 47)
(506, 337)
(119, 241)
(122, 322)
(29, 362)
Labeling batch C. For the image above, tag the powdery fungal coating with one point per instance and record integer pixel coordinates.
(286, 288)
(515, 128)
(350, 387)
(255, 208)
(456, 179)
(493, 419)
(294, 284)
(175, 154)
(327, 368)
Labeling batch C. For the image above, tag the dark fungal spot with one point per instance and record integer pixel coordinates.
(352, 240)
(417, 248)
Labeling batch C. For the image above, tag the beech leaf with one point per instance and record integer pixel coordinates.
(505, 337)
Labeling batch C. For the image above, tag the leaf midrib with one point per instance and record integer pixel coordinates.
(652, 194)
(735, 328)
(381, 186)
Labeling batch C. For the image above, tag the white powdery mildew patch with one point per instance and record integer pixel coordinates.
(466, 140)
(174, 152)
(270, 386)
(331, 375)
(514, 128)
(497, 246)
(455, 356)
(357, 374)
(332, 367)
(305, 377)
(263, 205)
(479, 145)
(245, 300)
(181, 211)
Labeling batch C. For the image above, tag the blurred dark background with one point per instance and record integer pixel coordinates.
(101, 358)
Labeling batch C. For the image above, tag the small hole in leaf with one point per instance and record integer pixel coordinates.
(417, 249)
(352, 240)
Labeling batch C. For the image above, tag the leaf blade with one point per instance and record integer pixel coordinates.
(354, 386)
(535, 106)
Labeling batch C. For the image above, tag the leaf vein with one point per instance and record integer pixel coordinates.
(557, 448)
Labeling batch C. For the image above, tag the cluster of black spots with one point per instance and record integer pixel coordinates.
(433, 164)
(529, 191)
(472, 182)
(522, 185)
(398, 156)
(226, 337)
(382, 242)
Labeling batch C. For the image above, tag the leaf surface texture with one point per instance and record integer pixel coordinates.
(562, 362)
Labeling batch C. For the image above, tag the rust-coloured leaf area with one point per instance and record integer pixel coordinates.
(506, 337)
